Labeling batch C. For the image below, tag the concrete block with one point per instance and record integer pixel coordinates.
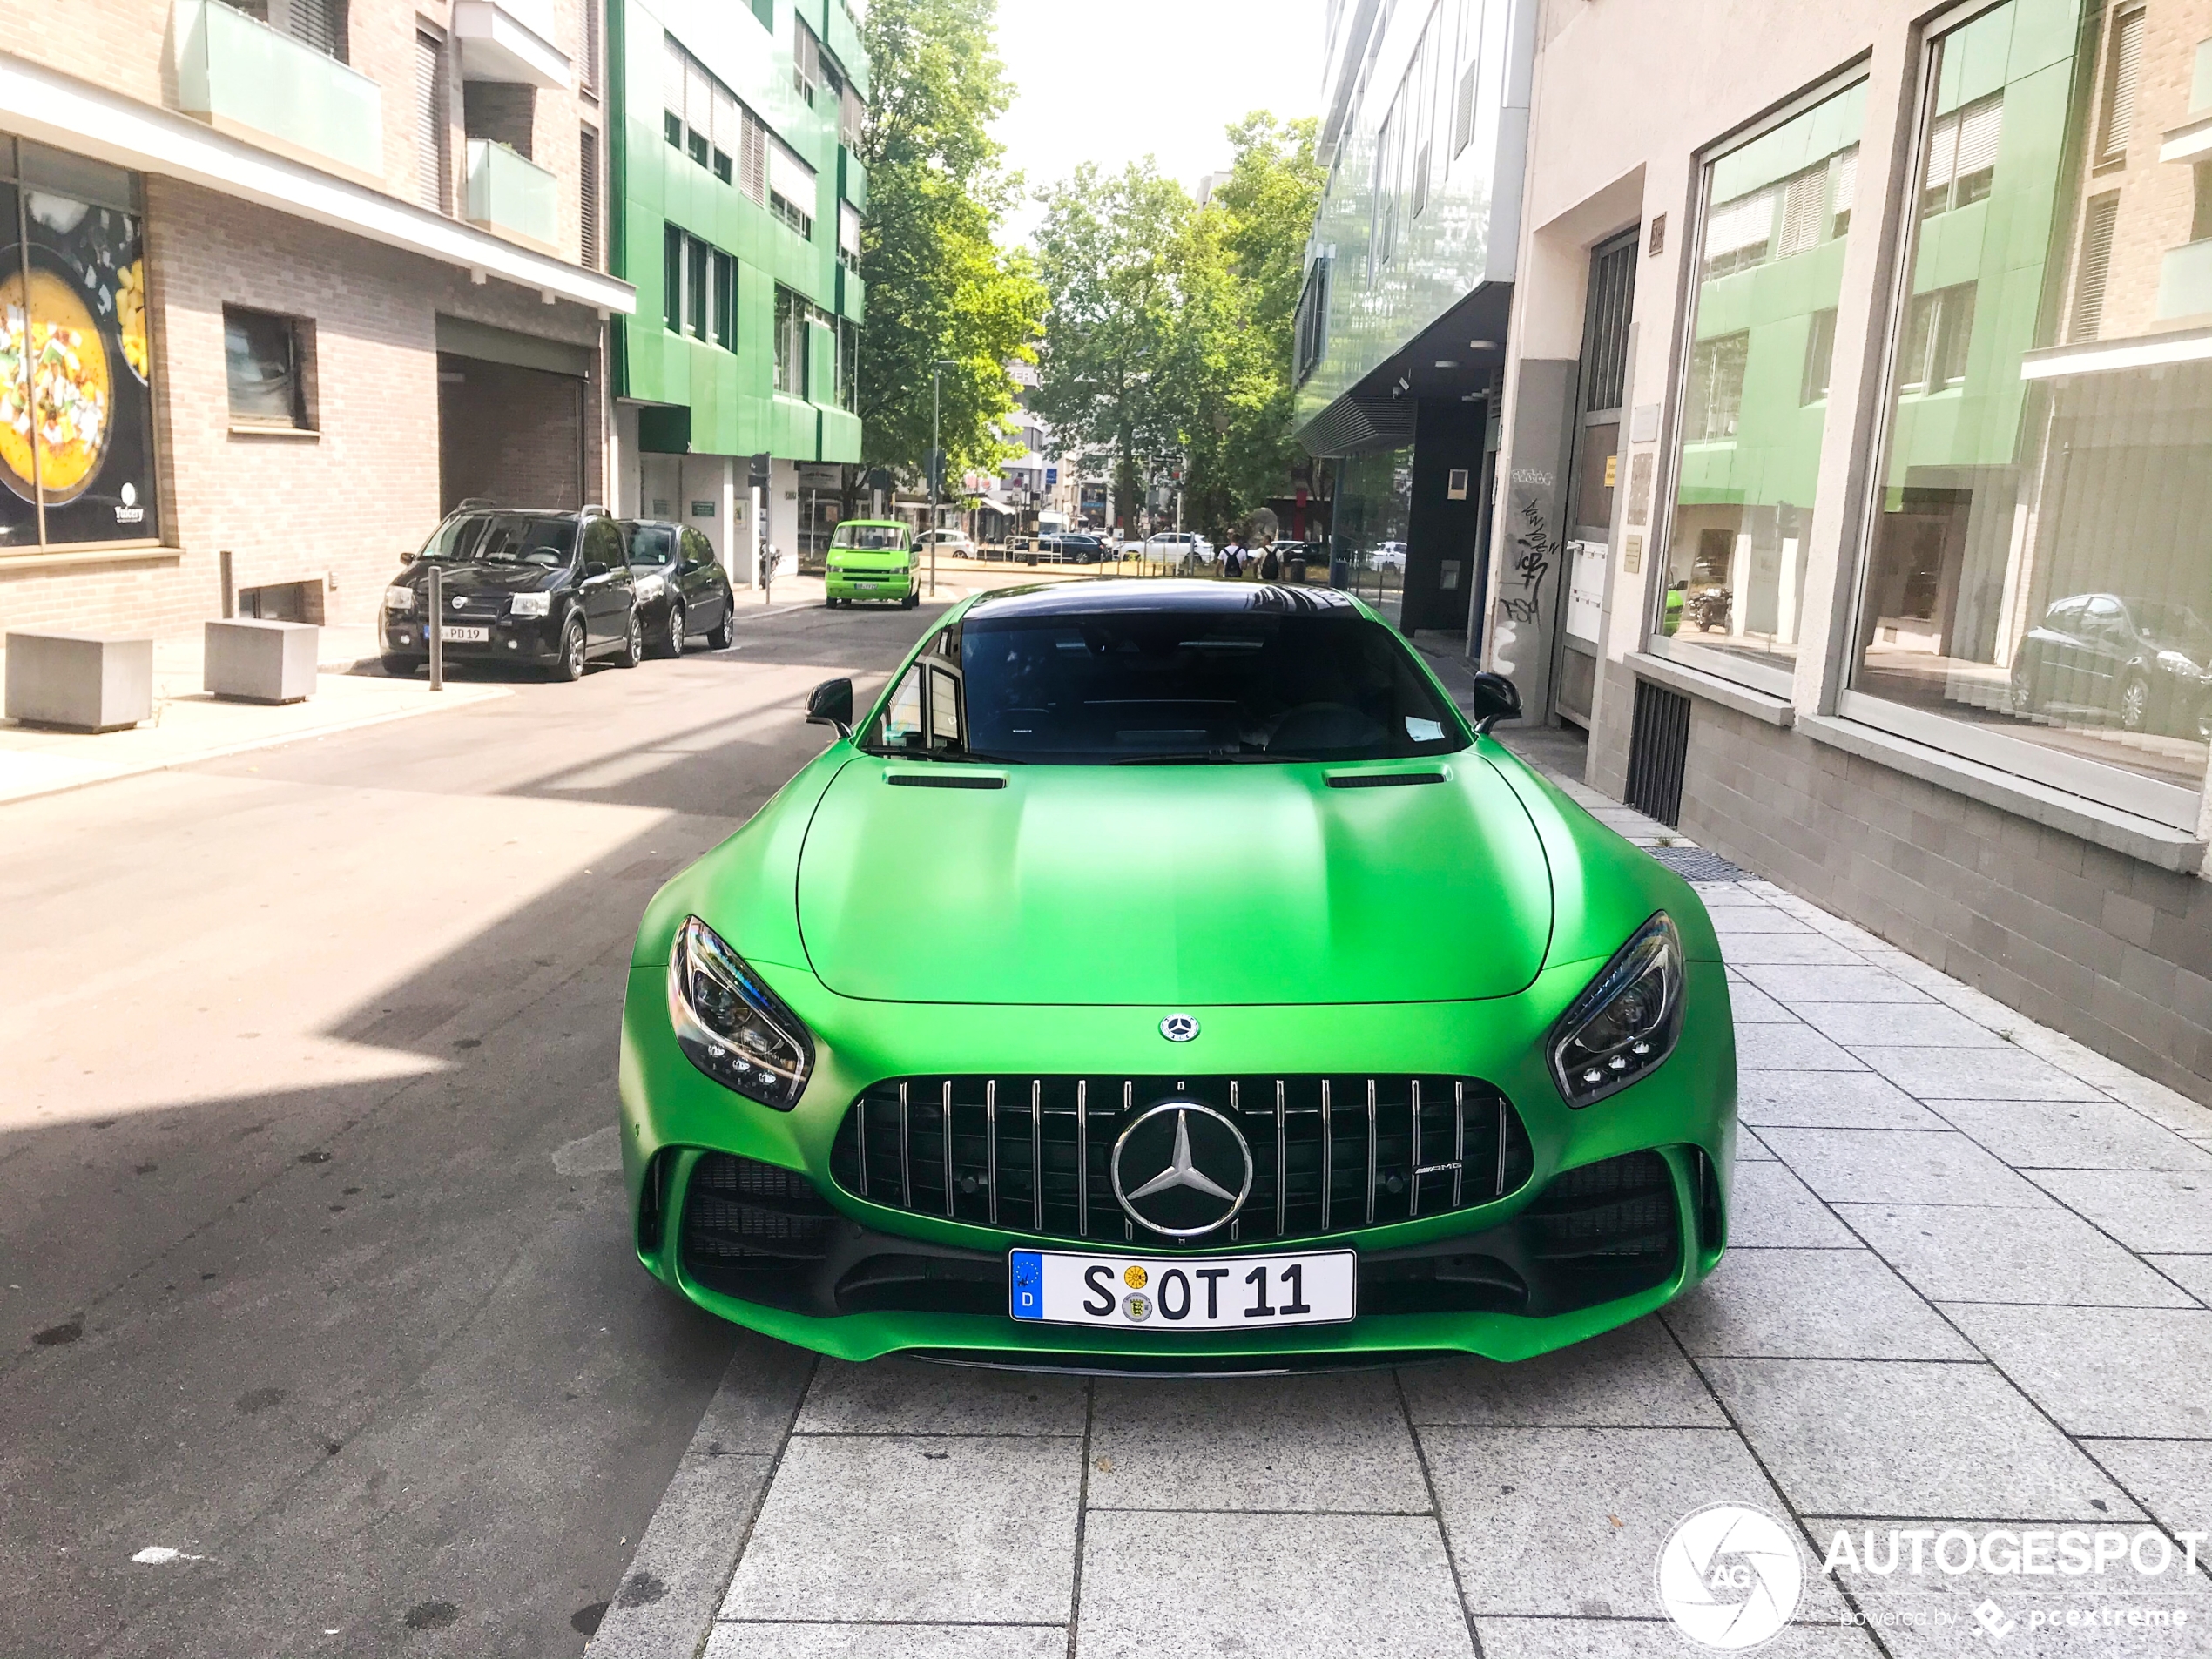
(251, 661)
(79, 682)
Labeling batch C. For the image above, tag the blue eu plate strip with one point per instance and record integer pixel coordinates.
(1028, 1285)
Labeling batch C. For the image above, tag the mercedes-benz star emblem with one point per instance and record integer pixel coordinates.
(1178, 1027)
(1202, 1164)
(461, 602)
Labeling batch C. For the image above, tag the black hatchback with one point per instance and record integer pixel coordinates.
(548, 588)
(682, 588)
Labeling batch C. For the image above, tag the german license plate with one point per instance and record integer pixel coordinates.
(464, 635)
(1184, 1292)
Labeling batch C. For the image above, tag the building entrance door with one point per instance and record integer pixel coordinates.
(1591, 475)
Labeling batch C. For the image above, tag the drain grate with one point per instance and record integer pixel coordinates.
(1695, 864)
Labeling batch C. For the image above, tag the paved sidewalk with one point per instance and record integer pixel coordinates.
(189, 725)
(1967, 1285)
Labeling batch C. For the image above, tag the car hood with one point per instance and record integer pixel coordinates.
(1205, 885)
(467, 577)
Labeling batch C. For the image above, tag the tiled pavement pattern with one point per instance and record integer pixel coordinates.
(1967, 1285)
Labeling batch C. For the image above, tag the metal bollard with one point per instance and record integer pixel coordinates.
(437, 630)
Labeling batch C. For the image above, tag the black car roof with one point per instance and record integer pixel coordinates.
(1092, 599)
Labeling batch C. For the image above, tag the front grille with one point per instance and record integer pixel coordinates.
(1033, 1155)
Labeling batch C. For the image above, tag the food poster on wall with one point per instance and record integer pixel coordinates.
(76, 404)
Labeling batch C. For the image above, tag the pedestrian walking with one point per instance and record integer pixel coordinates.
(1271, 568)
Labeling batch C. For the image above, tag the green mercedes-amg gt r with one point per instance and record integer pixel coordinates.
(1166, 976)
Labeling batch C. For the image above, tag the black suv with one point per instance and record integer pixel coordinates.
(550, 588)
(681, 588)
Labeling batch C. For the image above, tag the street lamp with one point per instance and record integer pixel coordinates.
(936, 460)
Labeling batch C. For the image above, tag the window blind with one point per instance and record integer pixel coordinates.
(789, 177)
(2094, 265)
(2126, 68)
(429, 127)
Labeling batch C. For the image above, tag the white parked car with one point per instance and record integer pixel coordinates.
(1387, 555)
(1172, 545)
(956, 545)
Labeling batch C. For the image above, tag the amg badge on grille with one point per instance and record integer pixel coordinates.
(1178, 1027)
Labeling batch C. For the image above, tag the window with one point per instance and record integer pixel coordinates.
(83, 424)
(1769, 256)
(587, 173)
(1820, 356)
(706, 120)
(851, 116)
(1470, 62)
(848, 364)
(848, 236)
(1716, 388)
(430, 164)
(2123, 68)
(1382, 236)
(1938, 329)
(590, 54)
(1738, 232)
(1312, 325)
(790, 343)
(1423, 81)
(805, 58)
(672, 280)
(725, 300)
(265, 361)
(2201, 217)
(696, 280)
(2035, 593)
(790, 187)
(1962, 155)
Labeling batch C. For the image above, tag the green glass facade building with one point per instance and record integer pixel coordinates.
(737, 203)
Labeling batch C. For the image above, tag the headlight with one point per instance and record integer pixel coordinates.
(1627, 1021)
(730, 1025)
(398, 599)
(529, 605)
(649, 585)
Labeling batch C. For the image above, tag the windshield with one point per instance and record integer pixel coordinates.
(651, 544)
(504, 538)
(2170, 625)
(870, 538)
(1182, 687)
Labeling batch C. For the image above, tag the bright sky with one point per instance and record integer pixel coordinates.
(1113, 80)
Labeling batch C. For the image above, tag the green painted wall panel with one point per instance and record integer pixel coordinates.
(728, 392)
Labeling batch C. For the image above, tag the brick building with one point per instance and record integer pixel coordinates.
(299, 275)
(1854, 461)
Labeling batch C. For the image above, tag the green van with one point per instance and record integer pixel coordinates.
(872, 558)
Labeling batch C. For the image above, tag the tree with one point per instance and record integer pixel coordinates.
(938, 285)
(1244, 265)
(1171, 328)
(1107, 252)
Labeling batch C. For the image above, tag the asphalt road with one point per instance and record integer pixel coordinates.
(310, 1269)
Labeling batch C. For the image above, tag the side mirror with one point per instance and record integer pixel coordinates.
(407, 556)
(831, 703)
(593, 569)
(1495, 698)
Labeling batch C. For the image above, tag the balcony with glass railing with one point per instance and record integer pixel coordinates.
(244, 78)
(512, 197)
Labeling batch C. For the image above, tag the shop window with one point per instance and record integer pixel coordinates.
(266, 360)
(2036, 595)
(1769, 256)
(76, 438)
